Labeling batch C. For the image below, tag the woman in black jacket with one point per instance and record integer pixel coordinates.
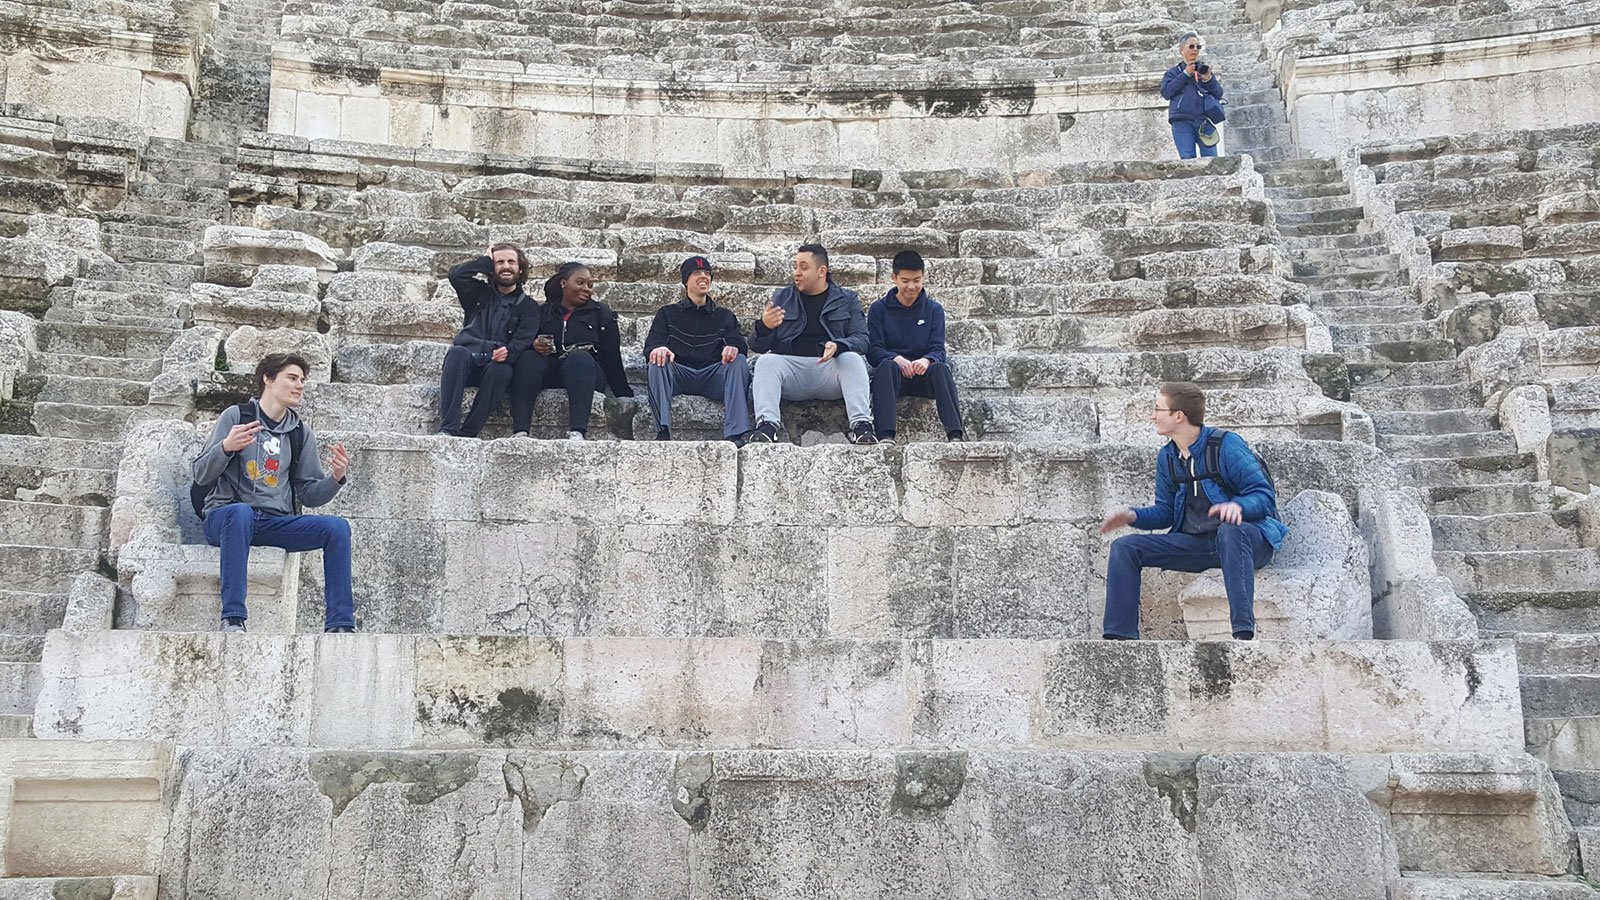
(578, 347)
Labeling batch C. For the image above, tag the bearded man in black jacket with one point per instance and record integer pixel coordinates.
(501, 322)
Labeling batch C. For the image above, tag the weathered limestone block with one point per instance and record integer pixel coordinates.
(391, 322)
(233, 245)
(1525, 412)
(386, 257)
(1570, 352)
(207, 689)
(1257, 326)
(190, 359)
(1493, 242)
(1315, 588)
(1474, 812)
(1293, 826)
(1411, 600)
(91, 603)
(248, 344)
(18, 337)
(383, 286)
(85, 808)
(179, 585)
(215, 304)
(410, 362)
(29, 268)
(287, 279)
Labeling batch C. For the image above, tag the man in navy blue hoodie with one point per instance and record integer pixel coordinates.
(905, 347)
(1224, 518)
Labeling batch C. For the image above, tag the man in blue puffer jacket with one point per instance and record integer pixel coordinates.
(1185, 87)
(1226, 519)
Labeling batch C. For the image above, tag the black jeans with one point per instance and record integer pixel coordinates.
(889, 385)
(578, 372)
(460, 372)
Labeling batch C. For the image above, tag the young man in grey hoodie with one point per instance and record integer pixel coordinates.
(255, 469)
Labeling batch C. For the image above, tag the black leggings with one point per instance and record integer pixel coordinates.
(578, 372)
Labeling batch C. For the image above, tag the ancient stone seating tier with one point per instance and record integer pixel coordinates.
(79, 57)
(1048, 280)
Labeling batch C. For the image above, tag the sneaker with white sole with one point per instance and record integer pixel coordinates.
(861, 433)
(575, 436)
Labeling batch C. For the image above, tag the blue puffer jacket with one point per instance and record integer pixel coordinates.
(1255, 498)
(1184, 94)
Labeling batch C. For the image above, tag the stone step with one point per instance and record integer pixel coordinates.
(31, 612)
(1309, 229)
(1341, 297)
(21, 648)
(1508, 531)
(1400, 352)
(82, 390)
(1295, 210)
(1421, 887)
(1387, 314)
(105, 340)
(1351, 278)
(192, 233)
(1497, 499)
(1580, 794)
(1558, 654)
(15, 728)
(87, 422)
(1416, 398)
(1274, 135)
(1520, 570)
(158, 219)
(1254, 115)
(1469, 445)
(1269, 154)
(150, 249)
(1564, 743)
(1567, 695)
(1287, 192)
(95, 887)
(153, 309)
(216, 211)
(50, 364)
(164, 273)
(1410, 374)
(1448, 421)
(19, 688)
(1459, 472)
(1564, 612)
(53, 524)
(43, 569)
(1287, 174)
(177, 193)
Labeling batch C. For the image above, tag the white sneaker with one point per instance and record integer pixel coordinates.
(520, 434)
(574, 435)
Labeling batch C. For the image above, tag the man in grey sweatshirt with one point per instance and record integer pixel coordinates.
(260, 462)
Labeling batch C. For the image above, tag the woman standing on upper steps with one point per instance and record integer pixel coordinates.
(1186, 87)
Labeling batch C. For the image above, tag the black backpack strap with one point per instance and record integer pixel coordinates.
(1214, 459)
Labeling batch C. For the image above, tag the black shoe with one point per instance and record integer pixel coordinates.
(663, 433)
(861, 433)
(1118, 637)
(764, 433)
(339, 629)
(739, 440)
(1244, 635)
(956, 437)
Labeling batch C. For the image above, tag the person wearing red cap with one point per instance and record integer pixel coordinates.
(696, 347)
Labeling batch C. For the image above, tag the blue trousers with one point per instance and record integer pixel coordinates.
(1239, 550)
(1187, 136)
(729, 383)
(238, 526)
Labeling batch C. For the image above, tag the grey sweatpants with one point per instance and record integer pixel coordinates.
(804, 378)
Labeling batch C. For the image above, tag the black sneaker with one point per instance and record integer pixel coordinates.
(1244, 635)
(956, 437)
(861, 433)
(764, 433)
(663, 434)
(739, 440)
(339, 629)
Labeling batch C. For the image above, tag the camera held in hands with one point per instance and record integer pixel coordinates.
(1201, 68)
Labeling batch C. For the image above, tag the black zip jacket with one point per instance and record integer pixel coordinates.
(695, 334)
(592, 324)
(493, 319)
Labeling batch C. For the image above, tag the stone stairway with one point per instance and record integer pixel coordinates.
(55, 498)
(1507, 542)
(236, 72)
(1257, 122)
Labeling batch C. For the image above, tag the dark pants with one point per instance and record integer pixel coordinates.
(460, 373)
(237, 527)
(889, 385)
(1186, 135)
(1239, 550)
(578, 372)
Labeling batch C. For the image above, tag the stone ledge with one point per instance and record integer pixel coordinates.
(433, 692)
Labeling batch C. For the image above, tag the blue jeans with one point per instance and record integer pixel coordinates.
(238, 526)
(1187, 136)
(728, 382)
(1239, 550)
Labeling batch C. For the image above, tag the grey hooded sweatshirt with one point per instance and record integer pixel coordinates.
(254, 475)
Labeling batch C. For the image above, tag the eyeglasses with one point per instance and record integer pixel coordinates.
(1192, 47)
(1163, 409)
